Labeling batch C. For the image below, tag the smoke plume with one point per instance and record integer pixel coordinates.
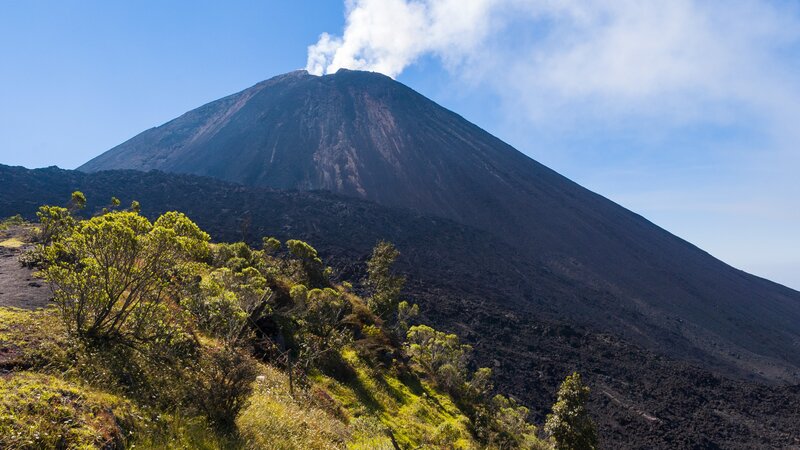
(387, 35)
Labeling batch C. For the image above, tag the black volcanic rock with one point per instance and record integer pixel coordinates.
(470, 282)
(364, 135)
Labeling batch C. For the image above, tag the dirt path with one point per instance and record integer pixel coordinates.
(18, 287)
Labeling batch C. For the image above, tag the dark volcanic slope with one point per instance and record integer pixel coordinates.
(469, 282)
(364, 135)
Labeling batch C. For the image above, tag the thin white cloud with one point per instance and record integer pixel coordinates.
(683, 61)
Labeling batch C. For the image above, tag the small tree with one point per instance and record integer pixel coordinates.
(323, 335)
(384, 285)
(215, 307)
(309, 261)
(569, 423)
(270, 245)
(441, 355)
(77, 201)
(405, 313)
(510, 427)
(55, 222)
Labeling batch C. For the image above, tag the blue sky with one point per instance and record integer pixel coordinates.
(683, 111)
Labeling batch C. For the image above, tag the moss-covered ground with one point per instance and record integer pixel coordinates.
(45, 403)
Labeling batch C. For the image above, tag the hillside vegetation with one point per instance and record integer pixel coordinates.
(159, 338)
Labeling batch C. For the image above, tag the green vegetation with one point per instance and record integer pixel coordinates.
(11, 222)
(114, 274)
(384, 286)
(570, 423)
(15, 239)
(40, 411)
(276, 419)
(161, 339)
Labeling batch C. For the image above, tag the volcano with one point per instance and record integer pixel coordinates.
(364, 135)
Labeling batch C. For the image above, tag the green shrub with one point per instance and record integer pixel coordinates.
(121, 274)
(77, 201)
(322, 334)
(270, 245)
(313, 271)
(223, 381)
(439, 354)
(55, 223)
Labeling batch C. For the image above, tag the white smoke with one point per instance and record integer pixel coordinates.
(572, 48)
(387, 35)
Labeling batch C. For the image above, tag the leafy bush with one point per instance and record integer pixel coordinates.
(77, 201)
(55, 221)
(314, 272)
(223, 382)
(322, 335)
(510, 428)
(121, 274)
(225, 300)
(439, 354)
(217, 310)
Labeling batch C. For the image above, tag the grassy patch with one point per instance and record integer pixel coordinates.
(410, 409)
(31, 339)
(10, 222)
(40, 411)
(276, 420)
(12, 243)
(178, 432)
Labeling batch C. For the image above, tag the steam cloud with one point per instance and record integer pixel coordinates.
(628, 49)
(387, 35)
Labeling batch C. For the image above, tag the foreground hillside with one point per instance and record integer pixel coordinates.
(469, 283)
(157, 338)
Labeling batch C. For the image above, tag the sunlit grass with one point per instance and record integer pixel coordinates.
(12, 243)
(276, 420)
(405, 407)
(41, 411)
